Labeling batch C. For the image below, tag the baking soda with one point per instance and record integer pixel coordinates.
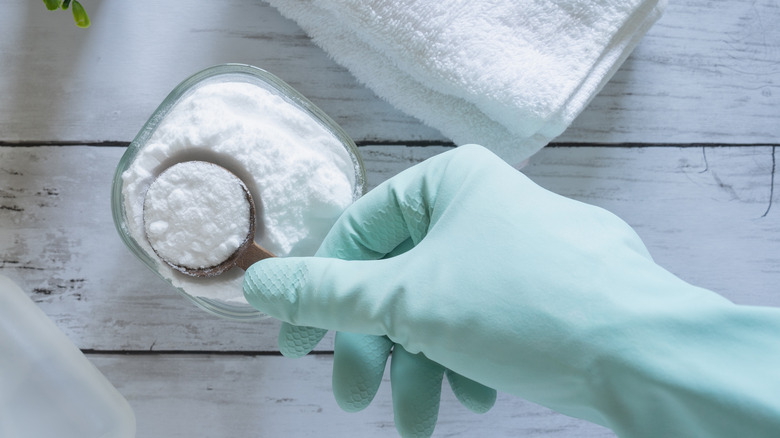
(196, 215)
(300, 175)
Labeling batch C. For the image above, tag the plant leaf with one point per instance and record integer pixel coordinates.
(52, 4)
(80, 15)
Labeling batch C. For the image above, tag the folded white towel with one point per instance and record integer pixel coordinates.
(508, 74)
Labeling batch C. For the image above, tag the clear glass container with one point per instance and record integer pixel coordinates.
(221, 73)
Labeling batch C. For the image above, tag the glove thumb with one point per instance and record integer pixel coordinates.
(326, 293)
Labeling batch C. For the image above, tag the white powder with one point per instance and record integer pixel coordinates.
(196, 214)
(300, 175)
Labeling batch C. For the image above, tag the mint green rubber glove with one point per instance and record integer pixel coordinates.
(539, 296)
(360, 360)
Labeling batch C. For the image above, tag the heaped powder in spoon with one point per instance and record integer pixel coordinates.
(196, 214)
(299, 173)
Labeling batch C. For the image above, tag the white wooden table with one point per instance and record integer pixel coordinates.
(682, 144)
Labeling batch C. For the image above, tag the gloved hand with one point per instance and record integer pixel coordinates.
(539, 296)
(360, 360)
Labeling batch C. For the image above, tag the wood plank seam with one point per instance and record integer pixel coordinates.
(416, 143)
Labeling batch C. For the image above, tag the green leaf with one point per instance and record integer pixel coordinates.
(52, 4)
(65, 4)
(80, 15)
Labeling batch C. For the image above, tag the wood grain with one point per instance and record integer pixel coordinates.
(704, 73)
(701, 211)
(268, 396)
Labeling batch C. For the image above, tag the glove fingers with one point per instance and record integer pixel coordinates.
(297, 341)
(475, 396)
(332, 294)
(359, 361)
(358, 366)
(416, 386)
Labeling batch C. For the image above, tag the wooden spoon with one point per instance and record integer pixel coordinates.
(245, 255)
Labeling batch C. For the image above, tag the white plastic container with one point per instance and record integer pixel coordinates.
(48, 388)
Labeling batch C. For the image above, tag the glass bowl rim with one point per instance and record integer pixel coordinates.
(254, 75)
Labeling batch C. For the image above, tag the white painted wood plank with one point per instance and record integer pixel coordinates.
(704, 73)
(58, 241)
(700, 211)
(700, 219)
(269, 396)
(59, 82)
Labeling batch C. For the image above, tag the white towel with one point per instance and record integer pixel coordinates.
(508, 74)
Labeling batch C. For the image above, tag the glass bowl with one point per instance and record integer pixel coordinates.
(220, 73)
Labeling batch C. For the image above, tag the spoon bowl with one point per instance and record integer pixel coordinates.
(194, 213)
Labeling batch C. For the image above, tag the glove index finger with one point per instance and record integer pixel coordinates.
(323, 292)
(297, 341)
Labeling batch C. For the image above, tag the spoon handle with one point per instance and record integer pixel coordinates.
(253, 253)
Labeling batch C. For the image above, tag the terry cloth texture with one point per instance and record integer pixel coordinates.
(510, 75)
